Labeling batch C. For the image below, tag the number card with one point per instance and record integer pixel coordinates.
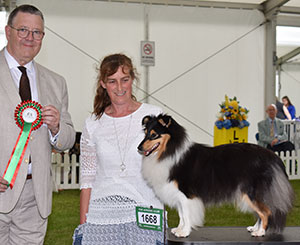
(149, 218)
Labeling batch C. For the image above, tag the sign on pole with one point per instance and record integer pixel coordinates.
(147, 53)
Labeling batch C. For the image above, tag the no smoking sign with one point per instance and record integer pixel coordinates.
(147, 53)
(147, 49)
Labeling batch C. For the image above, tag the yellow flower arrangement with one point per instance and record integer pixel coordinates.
(232, 114)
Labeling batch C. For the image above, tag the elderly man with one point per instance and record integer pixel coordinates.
(25, 206)
(271, 132)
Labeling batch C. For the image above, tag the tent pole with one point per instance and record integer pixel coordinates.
(270, 63)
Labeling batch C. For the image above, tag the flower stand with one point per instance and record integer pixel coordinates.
(231, 135)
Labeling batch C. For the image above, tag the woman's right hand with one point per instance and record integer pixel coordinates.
(85, 195)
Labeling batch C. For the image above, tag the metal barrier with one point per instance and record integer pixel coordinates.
(292, 129)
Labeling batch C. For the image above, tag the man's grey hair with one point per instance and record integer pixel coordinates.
(25, 8)
(274, 106)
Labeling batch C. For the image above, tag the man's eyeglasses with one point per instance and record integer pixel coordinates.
(23, 33)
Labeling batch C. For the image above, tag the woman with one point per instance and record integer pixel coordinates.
(282, 111)
(292, 110)
(110, 165)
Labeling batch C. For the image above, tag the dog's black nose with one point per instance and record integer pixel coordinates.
(140, 147)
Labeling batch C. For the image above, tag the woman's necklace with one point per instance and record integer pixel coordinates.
(122, 156)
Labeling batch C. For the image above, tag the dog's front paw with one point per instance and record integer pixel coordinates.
(251, 228)
(175, 230)
(181, 232)
(260, 232)
(254, 227)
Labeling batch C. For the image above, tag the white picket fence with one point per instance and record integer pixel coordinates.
(65, 170)
(291, 162)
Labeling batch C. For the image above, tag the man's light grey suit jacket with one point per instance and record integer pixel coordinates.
(52, 90)
(264, 132)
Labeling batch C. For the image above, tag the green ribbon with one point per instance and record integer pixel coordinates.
(18, 153)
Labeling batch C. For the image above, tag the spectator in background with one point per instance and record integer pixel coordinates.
(282, 111)
(271, 132)
(292, 110)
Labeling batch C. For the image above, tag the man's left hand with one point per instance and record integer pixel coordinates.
(51, 118)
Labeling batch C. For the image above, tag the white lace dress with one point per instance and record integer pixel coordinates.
(111, 166)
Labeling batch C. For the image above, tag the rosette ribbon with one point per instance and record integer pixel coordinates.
(28, 117)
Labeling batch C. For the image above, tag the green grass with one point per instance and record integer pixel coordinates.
(65, 216)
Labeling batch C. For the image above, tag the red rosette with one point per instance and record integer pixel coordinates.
(34, 113)
(28, 116)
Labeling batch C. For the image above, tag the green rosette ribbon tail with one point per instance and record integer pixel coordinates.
(28, 117)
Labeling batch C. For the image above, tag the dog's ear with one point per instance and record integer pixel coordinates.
(164, 120)
(145, 120)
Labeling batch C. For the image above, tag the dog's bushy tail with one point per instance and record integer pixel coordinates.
(280, 198)
(277, 222)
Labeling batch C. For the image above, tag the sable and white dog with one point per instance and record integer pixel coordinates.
(187, 176)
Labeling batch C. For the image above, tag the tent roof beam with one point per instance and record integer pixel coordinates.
(288, 56)
(271, 5)
(192, 3)
(288, 20)
(289, 10)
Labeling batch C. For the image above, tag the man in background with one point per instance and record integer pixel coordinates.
(271, 132)
(24, 209)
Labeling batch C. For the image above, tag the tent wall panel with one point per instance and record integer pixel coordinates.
(207, 38)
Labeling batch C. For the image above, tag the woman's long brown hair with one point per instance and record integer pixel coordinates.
(108, 67)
